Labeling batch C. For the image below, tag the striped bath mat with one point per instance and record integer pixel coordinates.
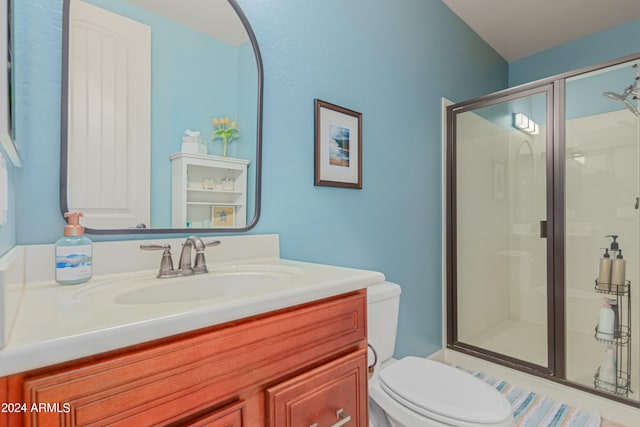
(534, 410)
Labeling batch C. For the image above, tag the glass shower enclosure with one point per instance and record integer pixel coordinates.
(537, 177)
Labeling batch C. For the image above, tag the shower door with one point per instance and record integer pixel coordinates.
(538, 177)
(500, 204)
(602, 135)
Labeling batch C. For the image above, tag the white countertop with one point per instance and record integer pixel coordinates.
(52, 324)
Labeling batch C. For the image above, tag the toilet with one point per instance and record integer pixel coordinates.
(417, 392)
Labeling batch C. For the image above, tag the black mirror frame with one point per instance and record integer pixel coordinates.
(64, 207)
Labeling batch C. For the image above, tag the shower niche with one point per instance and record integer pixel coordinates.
(537, 176)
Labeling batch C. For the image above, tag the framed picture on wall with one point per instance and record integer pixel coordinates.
(338, 141)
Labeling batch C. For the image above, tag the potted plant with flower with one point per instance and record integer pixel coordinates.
(226, 131)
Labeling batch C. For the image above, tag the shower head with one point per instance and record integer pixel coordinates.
(631, 90)
(618, 97)
(614, 96)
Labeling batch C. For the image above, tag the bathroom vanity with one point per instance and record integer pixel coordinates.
(302, 364)
(293, 355)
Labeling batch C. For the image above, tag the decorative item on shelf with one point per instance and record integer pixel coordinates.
(226, 131)
(193, 143)
(223, 216)
(209, 184)
(227, 184)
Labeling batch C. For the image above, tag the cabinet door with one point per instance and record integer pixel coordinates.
(332, 395)
(229, 416)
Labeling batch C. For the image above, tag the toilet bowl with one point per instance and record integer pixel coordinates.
(416, 392)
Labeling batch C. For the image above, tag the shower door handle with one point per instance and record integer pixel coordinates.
(543, 229)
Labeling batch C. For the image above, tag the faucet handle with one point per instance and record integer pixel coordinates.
(153, 247)
(200, 264)
(166, 263)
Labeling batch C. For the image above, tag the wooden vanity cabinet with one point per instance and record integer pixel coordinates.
(308, 360)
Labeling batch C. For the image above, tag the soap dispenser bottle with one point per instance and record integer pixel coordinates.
(618, 270)
(73, 253)
(614, 243)
(604, 275)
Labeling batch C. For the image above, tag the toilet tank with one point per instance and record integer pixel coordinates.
(383, 303)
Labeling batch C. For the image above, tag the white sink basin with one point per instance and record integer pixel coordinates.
(230, 282)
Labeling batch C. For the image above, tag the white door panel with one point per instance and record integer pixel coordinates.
(109, 118)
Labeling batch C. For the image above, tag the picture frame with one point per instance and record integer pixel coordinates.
(223, 216)
(338, 146)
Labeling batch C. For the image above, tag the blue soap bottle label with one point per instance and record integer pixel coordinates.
(73, 263)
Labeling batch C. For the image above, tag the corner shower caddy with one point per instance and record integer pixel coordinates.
(621, 341)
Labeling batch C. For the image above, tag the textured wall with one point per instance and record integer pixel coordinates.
(390, 60)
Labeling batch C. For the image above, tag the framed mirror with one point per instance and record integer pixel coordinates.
(161, 116)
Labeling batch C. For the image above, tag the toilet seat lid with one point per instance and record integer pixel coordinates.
(430, 387)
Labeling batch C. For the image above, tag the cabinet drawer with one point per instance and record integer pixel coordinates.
(334, 394)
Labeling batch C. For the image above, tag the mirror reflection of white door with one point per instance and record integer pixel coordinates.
(109, 118)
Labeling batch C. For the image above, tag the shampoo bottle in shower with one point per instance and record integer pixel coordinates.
(608, 371)
(74, 260)
(616, 319)
(606, 320)
(618, 267)
(604, 275)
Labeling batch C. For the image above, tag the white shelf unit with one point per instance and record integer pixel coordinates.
(193, 205)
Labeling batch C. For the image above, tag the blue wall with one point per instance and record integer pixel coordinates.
(388, 61)
(384, 59)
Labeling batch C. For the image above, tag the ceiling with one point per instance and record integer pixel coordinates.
(519, 28)
(214, 17)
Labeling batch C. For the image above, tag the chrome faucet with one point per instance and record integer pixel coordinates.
(184, 265)
(199, 264)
